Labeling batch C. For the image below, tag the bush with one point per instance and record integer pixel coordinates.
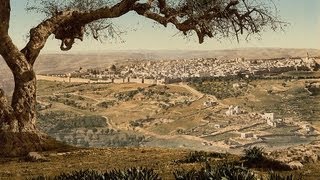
(254, 158)
(132, 174)
(129, 174)
(82, 174)
(200, 156)
(224, 171)
(275, 176)
(230, 171)
(106, 104)
(253, 154)
(81, 122)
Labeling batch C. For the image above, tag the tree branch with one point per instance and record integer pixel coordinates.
(205, 18)
(8, 50)
(4, 17)
(67, 26)
(4, 24)
(208, 19)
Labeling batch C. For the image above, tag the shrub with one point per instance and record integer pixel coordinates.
(129, 174)
(275, 176)
(82, 174)
(253, 154)
(40, 178)
(230, 171)
(81, 122)
(200, 156)
(254, 158)
(106, 104)
(132, 174)
(224, 171)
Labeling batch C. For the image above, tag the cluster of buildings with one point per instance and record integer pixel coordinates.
(271, 121)
(212, 67)
(167, 71)
(233, 110)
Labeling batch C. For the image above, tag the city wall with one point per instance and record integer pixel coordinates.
(115, 80)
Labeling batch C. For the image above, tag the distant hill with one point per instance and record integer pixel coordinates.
(62, 63)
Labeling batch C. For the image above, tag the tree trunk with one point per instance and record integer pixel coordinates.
(24, 100)
(18, 132)
(7, 120)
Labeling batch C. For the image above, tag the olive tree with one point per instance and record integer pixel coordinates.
(69, 20)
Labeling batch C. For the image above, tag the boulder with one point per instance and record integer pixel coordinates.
(35, 157)
(295, 165)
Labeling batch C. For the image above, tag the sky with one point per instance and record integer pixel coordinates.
(144, 34)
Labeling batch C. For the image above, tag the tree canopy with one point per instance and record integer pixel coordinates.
(205, 18)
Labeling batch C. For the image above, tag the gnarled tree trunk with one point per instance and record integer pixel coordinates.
(18, 132)
(24, 100)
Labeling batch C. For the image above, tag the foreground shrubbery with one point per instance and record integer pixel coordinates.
(253, 155)
(254, 158)
(129, 174)
(200, 156)
(222, 171)
(275, 176)
(225, 170)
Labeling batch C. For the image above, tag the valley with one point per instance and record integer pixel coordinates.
(179, 115)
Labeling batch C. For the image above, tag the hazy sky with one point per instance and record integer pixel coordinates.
(303, 32)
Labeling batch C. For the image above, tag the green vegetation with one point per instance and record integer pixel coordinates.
(121, 139)
(301, 75)
(133, 174)
(106, 104)
(222, 89)
(253, 155)
(81, 122)
(276, 176)
(200, 156)
(129, 174)
(141, 122)
(223, 171)
(126, 96)
(254, 158)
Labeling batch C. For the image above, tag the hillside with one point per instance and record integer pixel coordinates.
(63, 63)
(177, 115)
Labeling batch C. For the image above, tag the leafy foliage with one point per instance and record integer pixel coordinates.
(223, 171)
(253, 154)
(220, 89)
(75, 175)
(275, 176)
(82, 174)
(200, 156)
(205, 18)
(126, 96)
(254, 158)
(129, 174)
(81, 122)
(132, 174)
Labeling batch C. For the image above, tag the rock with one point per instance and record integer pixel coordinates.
(295, 165)
(53, 154)
(35, 157)
(314, 158)
(304, 159)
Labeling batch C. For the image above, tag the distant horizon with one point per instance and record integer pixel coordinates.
(181, 50)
